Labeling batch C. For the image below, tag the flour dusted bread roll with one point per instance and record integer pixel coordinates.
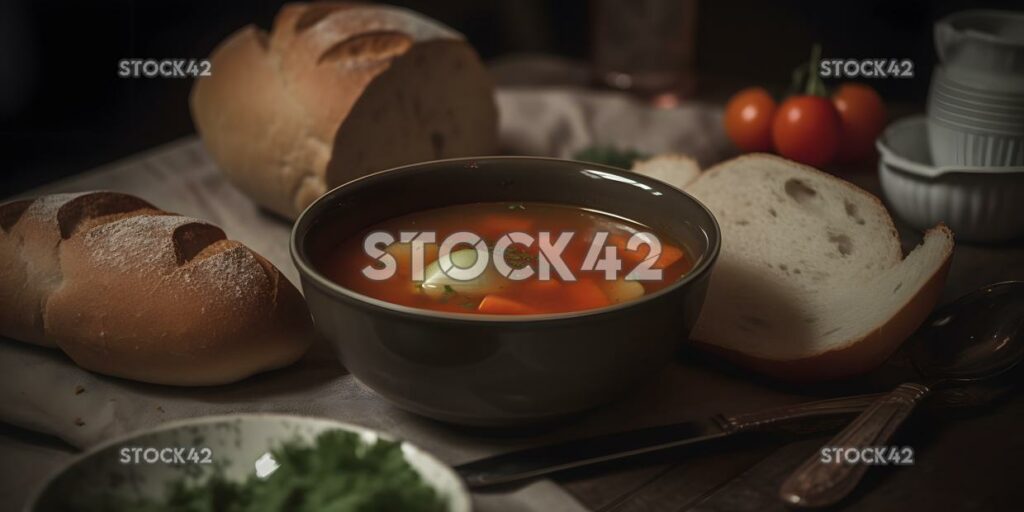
(811, 282)
(337, 91)
(131, 291)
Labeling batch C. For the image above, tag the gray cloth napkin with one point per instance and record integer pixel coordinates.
(38, 386)
(561, 121)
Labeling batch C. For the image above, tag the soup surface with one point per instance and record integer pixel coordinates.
(554, 259)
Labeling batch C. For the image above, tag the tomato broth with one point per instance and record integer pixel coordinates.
(589, 284)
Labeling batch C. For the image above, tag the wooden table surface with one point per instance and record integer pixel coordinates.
(970, 459)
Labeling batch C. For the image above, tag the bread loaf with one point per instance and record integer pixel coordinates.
(811, 281)
(337, 91)
(131, 291)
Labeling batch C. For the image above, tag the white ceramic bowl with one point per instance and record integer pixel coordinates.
(234, 441)
(980, 204)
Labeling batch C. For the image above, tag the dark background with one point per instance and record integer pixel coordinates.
(63, 109)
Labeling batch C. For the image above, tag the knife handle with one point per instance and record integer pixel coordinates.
(782, 415)
(818, 483)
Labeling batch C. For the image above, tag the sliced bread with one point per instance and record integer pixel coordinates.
(672, 168)
(811, 282)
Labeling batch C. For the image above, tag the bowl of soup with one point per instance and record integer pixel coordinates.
(504, 291)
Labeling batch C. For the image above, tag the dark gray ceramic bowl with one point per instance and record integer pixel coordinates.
(503, 370)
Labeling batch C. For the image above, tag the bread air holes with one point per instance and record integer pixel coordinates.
(786, 270)
(851, 212)
(843, 243)
(799, 191)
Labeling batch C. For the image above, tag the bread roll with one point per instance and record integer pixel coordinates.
(131, 291)
(811, 282)
(337, 91)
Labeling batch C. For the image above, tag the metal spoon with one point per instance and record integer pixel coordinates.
(978, 336)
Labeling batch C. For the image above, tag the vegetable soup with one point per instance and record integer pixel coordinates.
(506, 259)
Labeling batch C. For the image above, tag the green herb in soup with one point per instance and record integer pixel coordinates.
(618, 246)
(609, 155)
(337, 473)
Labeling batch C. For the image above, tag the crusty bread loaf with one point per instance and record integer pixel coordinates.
(337, 91)
(811, 282)
(131, 291)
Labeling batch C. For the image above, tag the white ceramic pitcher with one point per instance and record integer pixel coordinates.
(983, 48)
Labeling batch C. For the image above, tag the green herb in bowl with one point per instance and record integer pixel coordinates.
(339, 472)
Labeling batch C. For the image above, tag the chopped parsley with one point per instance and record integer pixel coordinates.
(449, 292)
(339, 472)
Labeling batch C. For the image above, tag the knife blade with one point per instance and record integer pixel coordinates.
(540, 461)
(543, 460)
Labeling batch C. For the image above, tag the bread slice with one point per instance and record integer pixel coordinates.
(336, 91)
(811, 282)
(672, 168)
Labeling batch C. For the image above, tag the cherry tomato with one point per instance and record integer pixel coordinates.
(807, 129)
(862, 114)
(748, 119)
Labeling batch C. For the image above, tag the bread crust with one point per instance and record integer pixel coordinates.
(131, 291)
(272, 111)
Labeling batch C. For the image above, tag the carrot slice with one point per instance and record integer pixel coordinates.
(498, 305)
(496, 225)
(669, 253)
(545, 286)
(630, 257)
(585, 294)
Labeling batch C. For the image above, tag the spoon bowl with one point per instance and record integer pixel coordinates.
(978, 336)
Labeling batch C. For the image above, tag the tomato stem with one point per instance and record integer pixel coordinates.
(806, 80)
(815, 86)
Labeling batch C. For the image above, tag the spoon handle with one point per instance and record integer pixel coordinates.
(820, 483)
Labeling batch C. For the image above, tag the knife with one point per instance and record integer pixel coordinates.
(543, 460)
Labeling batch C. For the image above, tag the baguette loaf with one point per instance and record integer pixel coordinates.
(337, 91)
(131, 291)
(811, 282)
